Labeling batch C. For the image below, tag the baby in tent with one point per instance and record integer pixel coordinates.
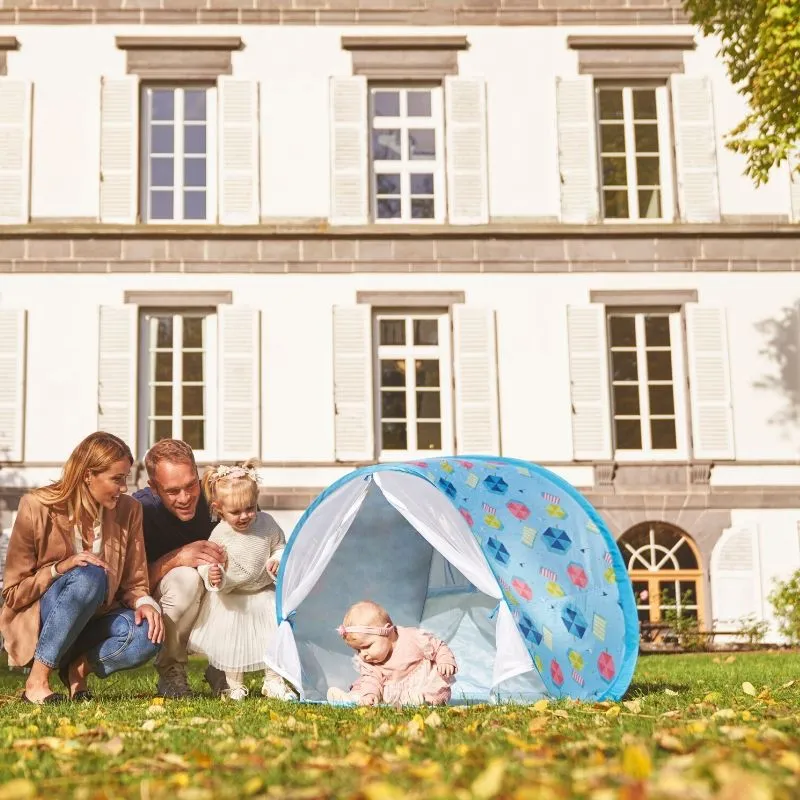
(397, 666)
(237, 617)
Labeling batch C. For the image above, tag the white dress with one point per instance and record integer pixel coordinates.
(237, 618)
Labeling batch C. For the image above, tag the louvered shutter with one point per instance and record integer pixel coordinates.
(794, 187)
(736, 590)
(577, 149)
(12, 384)
(695, 148)
(117, 368)
(239, 383)
(15, 150)
(119, 150)
(709, 382)
(238, 158)
(349, 151)
(465, 129)
(352, 383)
(475, 361)
(589, 383)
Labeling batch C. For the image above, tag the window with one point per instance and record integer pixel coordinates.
(413, 384)
(407, 154)
(665, 570)
(646, 367)
(178, 377)
(178, 164)
(635, 164)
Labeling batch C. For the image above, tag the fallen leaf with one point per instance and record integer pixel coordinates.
(415, 727)
(433, 720)
(724, 713)
(197, 721)
(636, 762)
(790, 760)
(614, 711)
(155, 710)
(490, 781)
(787, 684)
(634, 706)
(382, 790)
(730, 659)
(384, 729)
(19, 789)
(113, 747)
(748, 688)
(157, 701)
(541, 705)
(670, 743)
(671, 692)
(252, 786)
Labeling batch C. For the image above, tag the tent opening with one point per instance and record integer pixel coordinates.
(394, 538)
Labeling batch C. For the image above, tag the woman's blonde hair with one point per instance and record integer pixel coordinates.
(95, 454)
(238, 484)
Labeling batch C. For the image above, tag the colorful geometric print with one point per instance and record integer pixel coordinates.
(557, 566)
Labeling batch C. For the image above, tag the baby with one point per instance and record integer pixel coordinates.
(397, 666)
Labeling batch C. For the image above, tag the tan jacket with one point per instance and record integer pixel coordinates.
(42, 536)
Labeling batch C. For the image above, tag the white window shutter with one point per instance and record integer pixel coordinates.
(349, 151)
(695, 148)
(735, 578)
(12, 384)
(238, 159)
(577, 149)
(794, 186)
(119, 150)
(117, 372)
(475, 374)
(465, 130)
(352, 383)
(239, 383)
(589, 383)
(15, 150)
(709, 382)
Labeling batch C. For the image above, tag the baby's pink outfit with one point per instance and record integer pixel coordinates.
(409, 675)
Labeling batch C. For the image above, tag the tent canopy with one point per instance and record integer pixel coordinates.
(501, 559)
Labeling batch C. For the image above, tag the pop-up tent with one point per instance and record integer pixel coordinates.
(502, 559)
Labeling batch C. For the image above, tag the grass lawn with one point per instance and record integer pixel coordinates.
(692, 727)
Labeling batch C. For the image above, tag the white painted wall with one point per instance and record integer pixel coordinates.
(294, 65)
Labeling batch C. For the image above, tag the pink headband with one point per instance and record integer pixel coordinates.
(371, 630)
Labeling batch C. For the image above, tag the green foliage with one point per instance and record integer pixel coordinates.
(785, 599)
(761, 49)
(753, 630)
(684, 627)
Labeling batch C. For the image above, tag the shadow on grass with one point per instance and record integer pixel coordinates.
(637, 689)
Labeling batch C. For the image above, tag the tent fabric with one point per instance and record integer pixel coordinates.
(501, 558)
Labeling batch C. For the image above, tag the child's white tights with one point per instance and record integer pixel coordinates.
(273, 686)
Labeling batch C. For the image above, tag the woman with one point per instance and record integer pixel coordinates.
(75, 591)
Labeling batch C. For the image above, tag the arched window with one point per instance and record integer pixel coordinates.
(664, 566)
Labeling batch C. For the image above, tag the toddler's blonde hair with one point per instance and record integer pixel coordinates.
(365, 612)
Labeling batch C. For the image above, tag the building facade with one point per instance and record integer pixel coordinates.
(329, 233)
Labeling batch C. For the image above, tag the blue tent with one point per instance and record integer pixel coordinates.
(502, 559)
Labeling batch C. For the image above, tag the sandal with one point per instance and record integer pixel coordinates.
(82, 695)
(52, 699)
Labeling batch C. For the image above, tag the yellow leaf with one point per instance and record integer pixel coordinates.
(197, 721)
(415, 727)
(748, 688)
(634, 706)
(730, 659)
(541, 705)
(384, 729)
(427, 770)
(433, 720)
(20, 789)
(671, 692)
(403, 752)
(357, 758)
(790, 760)
(787, 684)
(697, 726)
(614, 711)
(747, 716)
(180, 779)
(711, 697)
(275, 717)
(157, 701)
(252, 786)
(724, 713)
(381, 790)
(154, 710)
(670, 743)
(150, 725)
(561, 714)
(636, 762)
(490, 781)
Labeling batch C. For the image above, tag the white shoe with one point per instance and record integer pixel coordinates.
(337, 695)
(215, 678)
(236, 694)
(277, 688)
(172, 682)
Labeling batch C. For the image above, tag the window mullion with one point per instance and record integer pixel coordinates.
(630, 152)
(177, 376)
(644, 395)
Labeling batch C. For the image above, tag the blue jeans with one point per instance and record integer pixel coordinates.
(69, 628)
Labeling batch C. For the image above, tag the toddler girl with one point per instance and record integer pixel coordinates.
(397, 666)
(237, 616)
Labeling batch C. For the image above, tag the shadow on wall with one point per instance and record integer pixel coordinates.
(782, 347)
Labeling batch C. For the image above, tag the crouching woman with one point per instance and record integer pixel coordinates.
(75, 597)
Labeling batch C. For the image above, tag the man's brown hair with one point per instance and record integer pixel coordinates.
(173, 450)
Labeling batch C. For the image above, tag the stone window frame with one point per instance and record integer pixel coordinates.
(610, 57)
(404, 58)
(7, 44)
(179, 58)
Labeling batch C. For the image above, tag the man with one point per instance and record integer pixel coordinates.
(177, 524)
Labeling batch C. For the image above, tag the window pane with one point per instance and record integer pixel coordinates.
(194, 433)
(194, 105)
(429, 405)
(421, 144)
(386, 104)
(162, 139)
(387, 184)
(623, 365)
(429, 436)
(194, 205)
(641, 592)
(193, 366)
(656, 330)
(615, 171)
(650, 204)
(386, 145)
(194, 139)
(422, 209)
(615, 204)
(421, 183)
(164, 332)
(662, 400)
(162, 205)
(393, 405)
(644, 104)
(686, 557)
(162, 429)
(392, 331)
(647, 173)
(628, 433)
(667, 593)
(612, 138)
(162, 172)
(646, 137)
(388, 209)
(688, 593)
(393, 436)
(626, 401)
(162, 104)
(662, 432)
(426, 331)
(194, 172)
(419, 104)
(393, 373)
(163, 367)
(162, 401)
(427, 373)
(610, 103)
(192, 332)
(622, 331)
(659, 365)
(193, 401)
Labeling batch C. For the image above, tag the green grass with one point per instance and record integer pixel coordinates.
(688, 729)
